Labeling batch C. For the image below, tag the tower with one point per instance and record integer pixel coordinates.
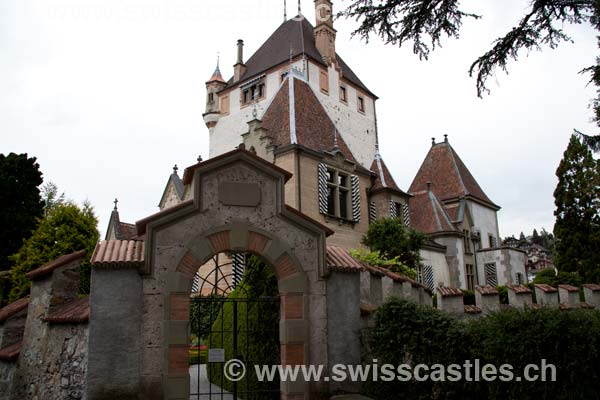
(324, 32)
(214, 85)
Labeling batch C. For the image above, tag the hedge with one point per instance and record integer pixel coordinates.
(407, 333)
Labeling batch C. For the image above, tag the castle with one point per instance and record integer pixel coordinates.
(297, 104)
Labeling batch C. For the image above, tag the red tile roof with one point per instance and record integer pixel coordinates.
(11, 353)
(128, 231)
(546, 288)
(450, 177)
(118, 252)
(314, 128)
(519, 289)
(74, 312)
(487, 290)
(569, 288)
(299, 37)
(13, 308)
(449, 291)
(427, 214)
(470, 309)
(592, 287)
(59, 262)
(339, 259)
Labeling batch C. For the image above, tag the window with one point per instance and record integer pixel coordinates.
(225, 105)
(467, 240)
(211, 98)
(324, 81)
(425, 276)
(519, 278)
(252, 93)
(492, 241)
(491, 276)
(338, 194)
(343, 94)
(395, 209)
(477, 241)
(361, 104)
(470, 276)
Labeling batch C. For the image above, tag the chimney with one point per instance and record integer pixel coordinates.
(324, 32)
(239, 68)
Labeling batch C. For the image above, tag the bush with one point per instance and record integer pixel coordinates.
(408, 333)
(549, 277)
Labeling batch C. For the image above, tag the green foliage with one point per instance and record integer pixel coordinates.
(550, 277)
(257, 327)
(502, 294)
(203, 313)
(469, 298)
(20, 202)
(407, 333)
(394, 241)
(374, 258)
(66, 228)
(577, 200)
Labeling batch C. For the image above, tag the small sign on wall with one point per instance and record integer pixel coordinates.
(216, 355)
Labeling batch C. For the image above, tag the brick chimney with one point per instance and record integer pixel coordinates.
(324, 31)
(239, 68)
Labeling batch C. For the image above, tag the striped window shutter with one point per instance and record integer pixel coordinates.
(428, 277)
(393, 209)
(406, 214)
(491, 275)
(238, 266)
(196, 283)
(355, 180)
(323, 188)
(372, 212)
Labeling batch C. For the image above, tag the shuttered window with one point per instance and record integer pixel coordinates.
(339, 194)
(491, 275)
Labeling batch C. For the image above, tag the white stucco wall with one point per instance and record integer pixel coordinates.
(485, 221)
(439, 264)
(508, 262)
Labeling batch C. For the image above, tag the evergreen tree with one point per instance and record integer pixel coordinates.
(536, 238)
(20, 202)
(65, 229)
(577, 199)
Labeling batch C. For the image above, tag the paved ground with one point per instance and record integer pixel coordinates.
(200, 384)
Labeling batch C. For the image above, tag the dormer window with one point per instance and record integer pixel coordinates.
(343, 94)
(252, 93)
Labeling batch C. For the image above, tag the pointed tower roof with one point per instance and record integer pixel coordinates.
(216, 76)
(450, 177)
(299, 35)
(428, 215)
(383, 179)
(119, 230)
(307, 125)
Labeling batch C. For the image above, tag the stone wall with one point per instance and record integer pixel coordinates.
(7, 374)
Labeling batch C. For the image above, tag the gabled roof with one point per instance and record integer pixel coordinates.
(177, 184)
(428, 215)
(309, 125)
(449, 176)
(383, 177)
(122, 230)
(298, 36)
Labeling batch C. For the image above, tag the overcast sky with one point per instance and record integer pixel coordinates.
(109, 95)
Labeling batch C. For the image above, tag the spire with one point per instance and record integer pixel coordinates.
(284, 10)
(299, 7)
(216, 76)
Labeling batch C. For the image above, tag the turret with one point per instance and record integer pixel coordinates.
(324, 32)
(214, 85)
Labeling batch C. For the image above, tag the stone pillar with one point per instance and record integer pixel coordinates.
(487, 298)
(450, 300)
(592, 294)
(519, 296)
(569, 295)
(114, 350)
(546, 295)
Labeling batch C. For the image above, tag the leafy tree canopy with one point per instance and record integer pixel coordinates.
(551, 277)
(577, 200)
(65, 229)
(394, 241)
(20, 202)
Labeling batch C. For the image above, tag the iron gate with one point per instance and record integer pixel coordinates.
(234, 316)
